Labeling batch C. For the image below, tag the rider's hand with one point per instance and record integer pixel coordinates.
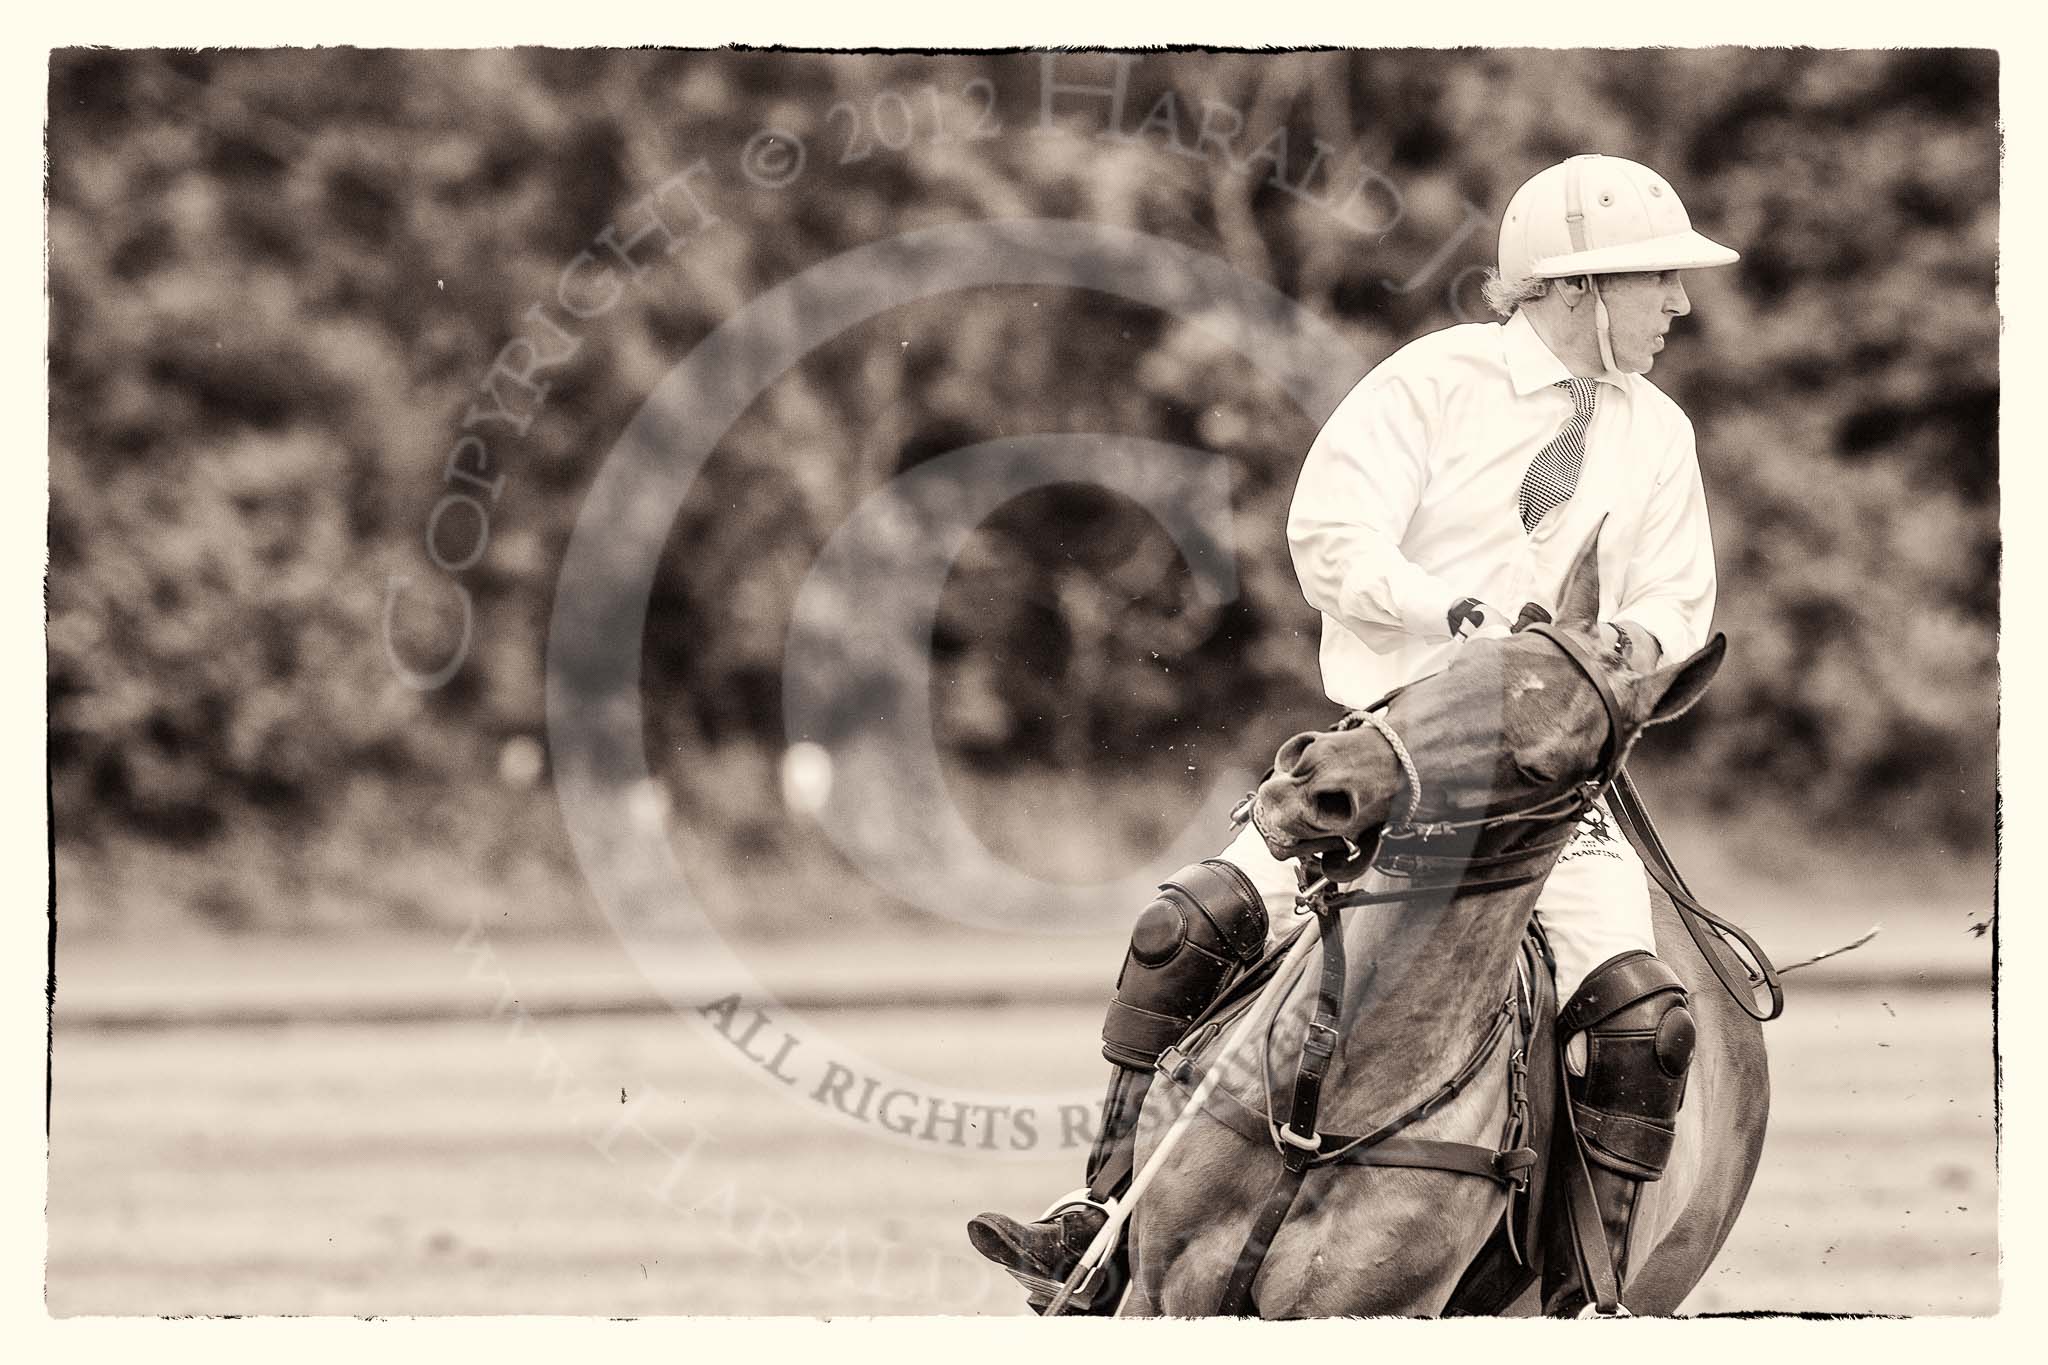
(1472, 619)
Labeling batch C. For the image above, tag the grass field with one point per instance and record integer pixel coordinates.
(485, 1167)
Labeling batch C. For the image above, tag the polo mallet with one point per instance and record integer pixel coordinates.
(1105, 1241)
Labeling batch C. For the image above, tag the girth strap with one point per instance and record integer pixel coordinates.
(1509, 1166)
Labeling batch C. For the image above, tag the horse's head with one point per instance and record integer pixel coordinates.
(1511, 721)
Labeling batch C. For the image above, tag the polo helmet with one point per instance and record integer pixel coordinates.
(1600, 215)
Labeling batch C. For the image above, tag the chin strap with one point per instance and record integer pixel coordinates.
(1575, 226)
(1601, 327)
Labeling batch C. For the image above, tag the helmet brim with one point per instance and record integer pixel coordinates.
(1680, 251)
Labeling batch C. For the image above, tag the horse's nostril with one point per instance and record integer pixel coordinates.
(1288, 760)
(1333, 805)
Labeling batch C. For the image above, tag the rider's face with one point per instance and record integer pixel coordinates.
(1640, 310)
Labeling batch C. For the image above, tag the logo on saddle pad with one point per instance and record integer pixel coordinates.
(1595, 836)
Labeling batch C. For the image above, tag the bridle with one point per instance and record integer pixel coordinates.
(1571, 801)
(1402, 849)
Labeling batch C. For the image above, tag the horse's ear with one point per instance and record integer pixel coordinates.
(1672, 691)
(1578, 603)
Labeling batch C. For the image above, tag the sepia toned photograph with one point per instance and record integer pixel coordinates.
(1322, 683)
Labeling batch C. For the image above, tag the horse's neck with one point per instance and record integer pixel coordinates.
(1424, 981)
(1427, 984)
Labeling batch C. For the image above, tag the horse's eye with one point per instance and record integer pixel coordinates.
(1536, 776)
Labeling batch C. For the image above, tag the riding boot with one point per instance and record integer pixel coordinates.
(1639, 1039)
(1041, 1255)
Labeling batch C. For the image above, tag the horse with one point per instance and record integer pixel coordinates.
(1511, 721)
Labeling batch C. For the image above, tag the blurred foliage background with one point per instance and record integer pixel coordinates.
(277, 280)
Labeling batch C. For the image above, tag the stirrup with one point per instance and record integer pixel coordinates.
(1076, 1199)
(1043, 1290)
(1592, 1310)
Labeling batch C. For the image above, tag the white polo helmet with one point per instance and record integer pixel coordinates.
(1600, 215)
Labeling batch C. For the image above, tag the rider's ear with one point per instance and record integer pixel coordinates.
(1579, 602)
(1672, 691)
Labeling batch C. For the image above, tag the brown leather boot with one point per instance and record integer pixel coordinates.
(1041, 1255)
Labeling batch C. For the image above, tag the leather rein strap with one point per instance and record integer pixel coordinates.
(1699, 921)
(1300, 1144)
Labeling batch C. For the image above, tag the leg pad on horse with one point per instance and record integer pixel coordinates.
(1639, 1038)
(1207, 923)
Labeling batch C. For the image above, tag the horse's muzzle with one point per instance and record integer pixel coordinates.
(1326, 798)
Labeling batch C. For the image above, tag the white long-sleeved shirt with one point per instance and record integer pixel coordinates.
(1406, 504)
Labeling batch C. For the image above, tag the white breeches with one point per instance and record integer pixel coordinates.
(1595, 905)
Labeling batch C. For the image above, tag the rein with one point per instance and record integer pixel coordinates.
(1402, 848)
(1567, 805)
(1699, 921)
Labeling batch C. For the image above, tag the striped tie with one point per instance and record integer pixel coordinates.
(1554, 474)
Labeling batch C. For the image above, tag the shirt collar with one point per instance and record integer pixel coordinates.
(1531, 365)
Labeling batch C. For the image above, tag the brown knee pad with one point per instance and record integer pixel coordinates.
(1207, 922)
(1639, 1045)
